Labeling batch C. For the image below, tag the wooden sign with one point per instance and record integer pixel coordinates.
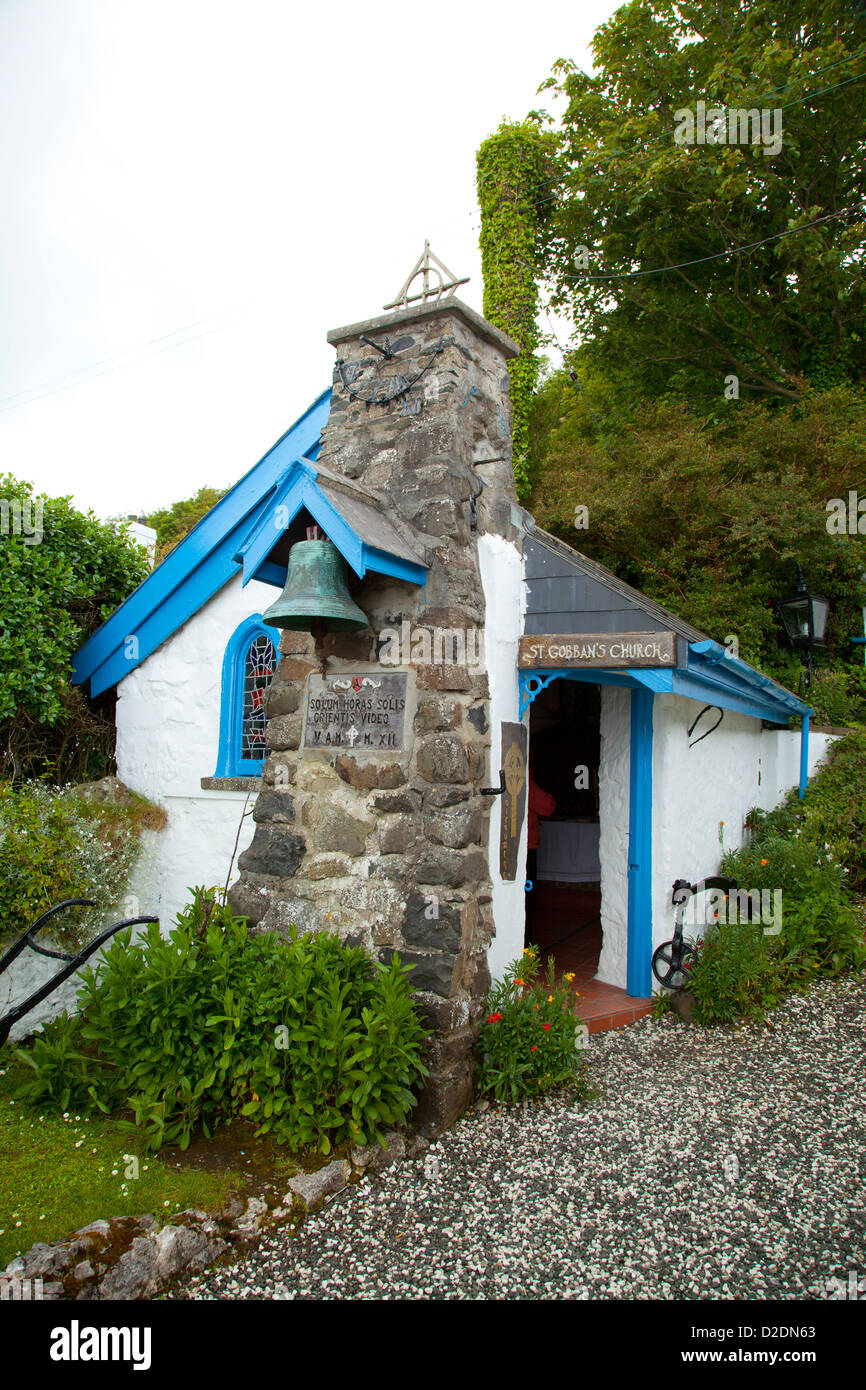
(364, 712)
(513, 799)
(603, 650)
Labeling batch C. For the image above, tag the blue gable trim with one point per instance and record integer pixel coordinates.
(198, 567)
(298, 490)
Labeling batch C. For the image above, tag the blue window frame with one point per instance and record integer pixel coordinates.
(248, 665)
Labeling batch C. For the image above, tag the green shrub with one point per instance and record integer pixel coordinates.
(531, 1039)
(831, 818)
(55, 845)
(733, 974)
(839, 696)
(63, 573)
(307, 1037)
(813, 851)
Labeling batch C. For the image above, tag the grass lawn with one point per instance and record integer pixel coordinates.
(59, 1173)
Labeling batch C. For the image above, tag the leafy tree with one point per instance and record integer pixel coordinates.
(640, 242)
(173, 523)
(711, 519)
(63, 573)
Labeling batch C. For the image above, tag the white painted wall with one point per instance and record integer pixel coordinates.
(168, 720)
(613, 813)
(701, 795)
(502, 580)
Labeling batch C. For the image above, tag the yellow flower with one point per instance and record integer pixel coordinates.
(569, 976)
(550, 998)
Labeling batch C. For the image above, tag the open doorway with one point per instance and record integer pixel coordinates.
(563, 907)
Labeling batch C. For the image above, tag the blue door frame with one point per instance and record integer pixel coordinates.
(639, 930)
(640, 845)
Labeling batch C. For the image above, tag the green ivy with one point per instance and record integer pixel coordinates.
(54, 845)
(513, 169)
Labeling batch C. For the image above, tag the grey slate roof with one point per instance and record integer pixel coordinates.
(364, 510)
(567, 592)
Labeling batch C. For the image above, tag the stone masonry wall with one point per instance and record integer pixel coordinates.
(389, 850)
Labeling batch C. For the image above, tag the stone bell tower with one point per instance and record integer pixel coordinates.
(371, 822)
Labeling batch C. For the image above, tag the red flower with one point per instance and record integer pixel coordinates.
(494, 1018)
(533, 1048)
(687, 965)
(546, 1027)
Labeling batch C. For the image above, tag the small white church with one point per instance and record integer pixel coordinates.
(386, 761)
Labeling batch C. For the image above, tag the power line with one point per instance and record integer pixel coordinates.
(717, 255)
(86, 374)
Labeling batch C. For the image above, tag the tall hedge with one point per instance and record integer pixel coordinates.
(62, 573)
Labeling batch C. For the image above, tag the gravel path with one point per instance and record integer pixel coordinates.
(717, 1164)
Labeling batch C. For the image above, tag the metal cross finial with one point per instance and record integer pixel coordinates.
(427, 264)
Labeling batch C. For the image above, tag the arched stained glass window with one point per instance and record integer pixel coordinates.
(260, 666)
(248, 667)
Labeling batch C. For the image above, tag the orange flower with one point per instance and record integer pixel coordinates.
(765, 861)
(520, 982)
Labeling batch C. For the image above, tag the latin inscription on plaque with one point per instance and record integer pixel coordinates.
(366, 713)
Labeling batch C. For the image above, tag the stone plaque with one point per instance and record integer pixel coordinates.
(600, 649)
(513, 799)
(365, 713)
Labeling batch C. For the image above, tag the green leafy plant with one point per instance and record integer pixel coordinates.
(813, 852)
(733, 973)
(661, 1005)
(308, 1038)
(55, 844)
(530, 1039)
(54, 593)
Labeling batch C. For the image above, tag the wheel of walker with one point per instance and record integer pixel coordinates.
(668, 971)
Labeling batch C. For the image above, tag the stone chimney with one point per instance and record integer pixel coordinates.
(384, 841)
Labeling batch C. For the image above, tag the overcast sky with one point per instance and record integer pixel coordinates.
(194, 192)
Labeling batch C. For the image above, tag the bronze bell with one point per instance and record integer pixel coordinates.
(315, 596)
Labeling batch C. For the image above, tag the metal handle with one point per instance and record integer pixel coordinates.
(495, 791)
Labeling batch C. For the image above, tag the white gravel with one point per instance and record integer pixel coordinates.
(723, 1163)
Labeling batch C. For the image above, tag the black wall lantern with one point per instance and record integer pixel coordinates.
(804, 615)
